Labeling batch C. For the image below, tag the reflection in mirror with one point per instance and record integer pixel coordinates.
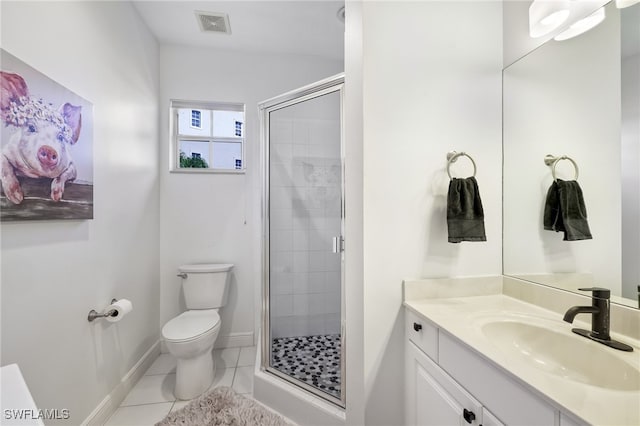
(578, 98)
(630, 129)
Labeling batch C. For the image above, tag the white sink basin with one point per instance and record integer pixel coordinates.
(562, 353)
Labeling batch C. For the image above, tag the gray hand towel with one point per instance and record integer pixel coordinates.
(552, 218)
(565, 211)
(465, 216)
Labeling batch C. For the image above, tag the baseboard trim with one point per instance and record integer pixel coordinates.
(234, 340)
(111, 402)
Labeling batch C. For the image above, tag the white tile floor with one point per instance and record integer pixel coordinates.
(152, 397)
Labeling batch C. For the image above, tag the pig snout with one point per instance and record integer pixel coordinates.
(38, 153)
(48, 157)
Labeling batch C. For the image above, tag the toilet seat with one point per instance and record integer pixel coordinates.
(191, 325)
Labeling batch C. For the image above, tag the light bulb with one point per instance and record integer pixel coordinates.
(546, 16)
(582, 25)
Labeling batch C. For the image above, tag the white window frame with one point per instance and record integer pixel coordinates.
(174, 156)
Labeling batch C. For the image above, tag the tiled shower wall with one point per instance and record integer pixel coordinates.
(305, 213)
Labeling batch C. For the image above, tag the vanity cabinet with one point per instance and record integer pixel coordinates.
(448, 383)
(435, 399)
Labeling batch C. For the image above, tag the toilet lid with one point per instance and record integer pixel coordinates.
(191, 324)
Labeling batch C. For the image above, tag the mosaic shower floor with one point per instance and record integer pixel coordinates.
(315, 360)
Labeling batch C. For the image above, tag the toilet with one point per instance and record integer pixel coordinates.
(191, 335)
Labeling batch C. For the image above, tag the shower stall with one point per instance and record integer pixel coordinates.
(303, 246)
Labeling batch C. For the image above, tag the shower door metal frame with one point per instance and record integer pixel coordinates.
(323, 87)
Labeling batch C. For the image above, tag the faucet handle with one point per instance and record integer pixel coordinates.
(598, 292)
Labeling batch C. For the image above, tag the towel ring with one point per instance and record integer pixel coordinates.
(452, 157)
(552, 161)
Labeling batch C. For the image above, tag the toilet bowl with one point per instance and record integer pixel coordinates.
(190, 336)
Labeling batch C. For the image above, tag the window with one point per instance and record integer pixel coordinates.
(207, 137)
(196, 119)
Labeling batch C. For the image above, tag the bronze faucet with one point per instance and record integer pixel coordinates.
(600, 311)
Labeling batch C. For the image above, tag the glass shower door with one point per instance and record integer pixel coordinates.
(304, 241)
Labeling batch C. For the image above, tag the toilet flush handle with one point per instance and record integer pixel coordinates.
(182, 275)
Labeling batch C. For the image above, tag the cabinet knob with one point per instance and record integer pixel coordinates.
(417, 327)
(468, 415)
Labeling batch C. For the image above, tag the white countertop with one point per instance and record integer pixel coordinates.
(462, 317)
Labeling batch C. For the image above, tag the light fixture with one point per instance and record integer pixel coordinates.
(582, 25)
(621, 4)
(546, 16)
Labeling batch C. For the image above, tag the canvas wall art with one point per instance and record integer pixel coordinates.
(46, 156)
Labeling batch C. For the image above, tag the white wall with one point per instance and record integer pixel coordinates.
(54, 272)
(549, 109)
(431, 84)
(223, 208)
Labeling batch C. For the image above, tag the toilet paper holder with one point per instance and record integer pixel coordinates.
(93, 314)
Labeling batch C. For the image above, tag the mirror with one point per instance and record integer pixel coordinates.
(578, 98)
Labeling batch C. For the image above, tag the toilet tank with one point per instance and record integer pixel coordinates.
(205, 285)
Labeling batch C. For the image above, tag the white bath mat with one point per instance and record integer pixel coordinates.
(223, 406)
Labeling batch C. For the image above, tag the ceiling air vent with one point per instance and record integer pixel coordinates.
(214, 22)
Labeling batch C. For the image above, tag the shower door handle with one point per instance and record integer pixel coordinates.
(338, 244)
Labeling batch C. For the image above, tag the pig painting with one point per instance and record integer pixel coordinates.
(38, 148)
(35, 160)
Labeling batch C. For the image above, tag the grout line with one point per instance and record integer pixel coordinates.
(219, 350)
(235, 370)
(160, 374)
(147, 403)
(238, 358)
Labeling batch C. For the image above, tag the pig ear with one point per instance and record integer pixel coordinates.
(73, 117)
(12, 88)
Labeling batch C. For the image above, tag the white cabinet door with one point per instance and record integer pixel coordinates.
(489, 419)
(433, 398)
(434, 406)
(567, 420)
